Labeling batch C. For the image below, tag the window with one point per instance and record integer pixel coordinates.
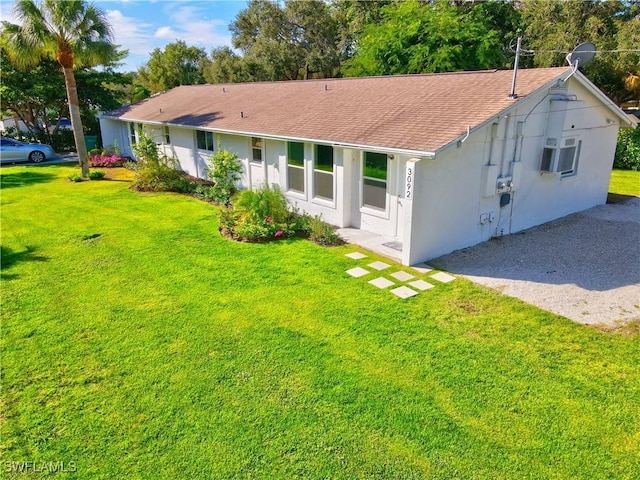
(323, 172)
(563, 160)
(256, 148)
(205, 140)
(161, 135)
(374, 181)
(132, 134)
(295, 166)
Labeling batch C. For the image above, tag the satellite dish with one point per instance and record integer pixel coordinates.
(582, 55)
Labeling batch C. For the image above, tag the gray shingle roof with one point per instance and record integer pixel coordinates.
(412, 112)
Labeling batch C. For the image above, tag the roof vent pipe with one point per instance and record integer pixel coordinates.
(513, 94)
(241, 114)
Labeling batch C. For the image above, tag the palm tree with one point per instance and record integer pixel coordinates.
(72, 32)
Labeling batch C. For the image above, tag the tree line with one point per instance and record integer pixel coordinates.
(303, 39)
(60, 42)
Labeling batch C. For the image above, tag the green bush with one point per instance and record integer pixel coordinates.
(96, 175)
(265, 203)
(628, 150)
(321, 232)
(258, 215)
(155, 172)
(224, 171)
(264, 215)
(75, 177)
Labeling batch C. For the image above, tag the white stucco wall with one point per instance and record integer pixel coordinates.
(114, 132)
(455, 200)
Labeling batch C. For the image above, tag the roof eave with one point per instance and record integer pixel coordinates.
(494, 118)
(335, 143)
(625, 121)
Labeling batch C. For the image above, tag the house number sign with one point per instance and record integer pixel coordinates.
(408, 193)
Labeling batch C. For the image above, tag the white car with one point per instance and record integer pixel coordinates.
(15, 151)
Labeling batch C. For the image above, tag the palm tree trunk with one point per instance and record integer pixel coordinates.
(76, 121)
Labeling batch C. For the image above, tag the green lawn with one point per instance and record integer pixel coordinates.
(138, 343)
(625, 182)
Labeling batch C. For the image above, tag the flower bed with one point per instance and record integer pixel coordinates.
(107, 160)
(264, 215)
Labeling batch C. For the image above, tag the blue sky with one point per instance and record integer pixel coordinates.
(142, 25)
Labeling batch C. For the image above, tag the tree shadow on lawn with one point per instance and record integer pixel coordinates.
(22, 179)
(9, 257)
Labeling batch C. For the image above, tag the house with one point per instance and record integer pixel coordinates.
(433, 162)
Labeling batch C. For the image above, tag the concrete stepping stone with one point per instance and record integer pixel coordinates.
(356, 255)
(422, 268)
(357, 272)
(443, 277)
(379, 265)
(381, 282)
(404, 292)
(421, 285)
(402, 276)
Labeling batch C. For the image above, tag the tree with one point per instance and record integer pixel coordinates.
(353, 16)
(31, 95)
(177, 64)
(37, 97)
(226, 66)
(416, 37)
(554, 27)
(72, 32)
(297, 40)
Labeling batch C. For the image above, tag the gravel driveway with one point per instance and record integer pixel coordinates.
(585, 266)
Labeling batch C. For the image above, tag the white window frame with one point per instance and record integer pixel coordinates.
(298, 193)
(132, 133)
(554, 148)
(207, 135)
(370, 209)
(160, 134)
(316, 198)
(252, 159)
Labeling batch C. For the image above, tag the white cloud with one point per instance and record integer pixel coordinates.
(191, 25)
(130, 33)
(166, 32)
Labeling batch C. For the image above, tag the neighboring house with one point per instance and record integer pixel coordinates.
(436, 162)
(10, 122)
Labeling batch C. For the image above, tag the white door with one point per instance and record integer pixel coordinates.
(257, 163)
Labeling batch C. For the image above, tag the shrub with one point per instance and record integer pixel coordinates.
(75, 177)
(155, 172)
(628, 150)
(204, 192)
(265, 203)
(264, 214)
(225, 171)
(258, 216)
(96, 175)
(321, 232)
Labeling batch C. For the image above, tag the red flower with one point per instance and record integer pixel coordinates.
(279, 233)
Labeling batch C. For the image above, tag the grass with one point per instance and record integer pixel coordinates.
(625, 182)
(138, 343)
